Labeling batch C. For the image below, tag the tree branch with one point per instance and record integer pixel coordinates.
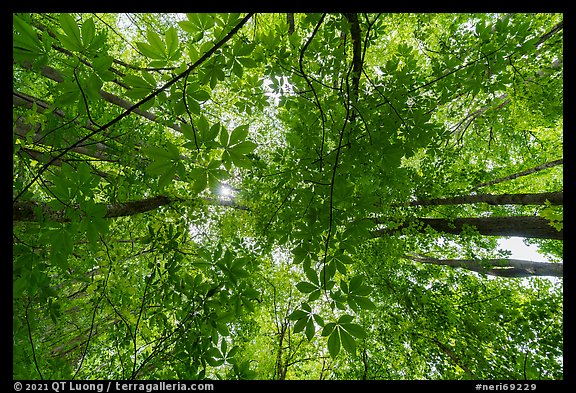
(201, 60)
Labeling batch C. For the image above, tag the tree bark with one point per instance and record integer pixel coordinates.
(513, 268)
(555, 198)
(522, 226)
(26, 210)
(355, 34)
(55, 75)
(290, 20)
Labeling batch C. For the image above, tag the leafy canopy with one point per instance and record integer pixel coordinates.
(130, 262)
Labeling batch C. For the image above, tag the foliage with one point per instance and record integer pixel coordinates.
(285, 152)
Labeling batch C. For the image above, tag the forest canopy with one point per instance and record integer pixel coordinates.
(287, 196)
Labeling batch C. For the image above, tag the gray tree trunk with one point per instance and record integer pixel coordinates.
(521, 226)
(555, 198)
(514, 268)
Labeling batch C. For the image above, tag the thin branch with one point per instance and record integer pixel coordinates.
(453, 71)
(185, 101)
(32, 341)
(84, 99)
(332, 183)
(554, 30)
(300, 63)
(278, 209)
(201, 60)
(95, 311)
(135, 336)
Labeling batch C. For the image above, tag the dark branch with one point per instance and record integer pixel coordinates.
(201, 60)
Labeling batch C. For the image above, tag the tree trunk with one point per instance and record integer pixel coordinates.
(514, 268)
(555, 198)
(521, 226)
(26, 210)
(290, 20)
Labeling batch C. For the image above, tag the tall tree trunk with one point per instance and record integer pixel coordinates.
(522, 226)
(27, 210)
(290, 20)
(514, 268)
(555, 198)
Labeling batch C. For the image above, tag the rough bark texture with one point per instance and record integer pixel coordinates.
(555, 198)
(290, 20)
(522, 226)
(136, 207)
(26, 210)
(514, 268)
(355, 34)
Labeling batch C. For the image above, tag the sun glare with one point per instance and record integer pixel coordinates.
(225, 191)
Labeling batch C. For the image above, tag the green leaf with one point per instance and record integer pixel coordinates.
(328, 328)
(171, 41)
(167, 176)
(238, 134)
(300, 325)
(245, 147)
(355, 330)
(200, 95)
(239, 160)
(149, 51)
(71, 30)
(214, 362)
(170, 152)
(26, 45)
(187, 131)
(224, 137)
(345, 319)
(348, 341)
(363, 302)
(237, 69)
(310, 330)
(173, 151)
(101, 63)
(248, 62)
(25, 30)
(136, 81)
(311, 275)
(306, 287)
(334, 343)
(188, 26)
(158, 166)
(156, 42)
(314, 295)
(88, 32)
(345, 259)
(297, 314)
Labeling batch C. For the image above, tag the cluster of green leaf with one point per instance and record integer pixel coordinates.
(324, 127)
